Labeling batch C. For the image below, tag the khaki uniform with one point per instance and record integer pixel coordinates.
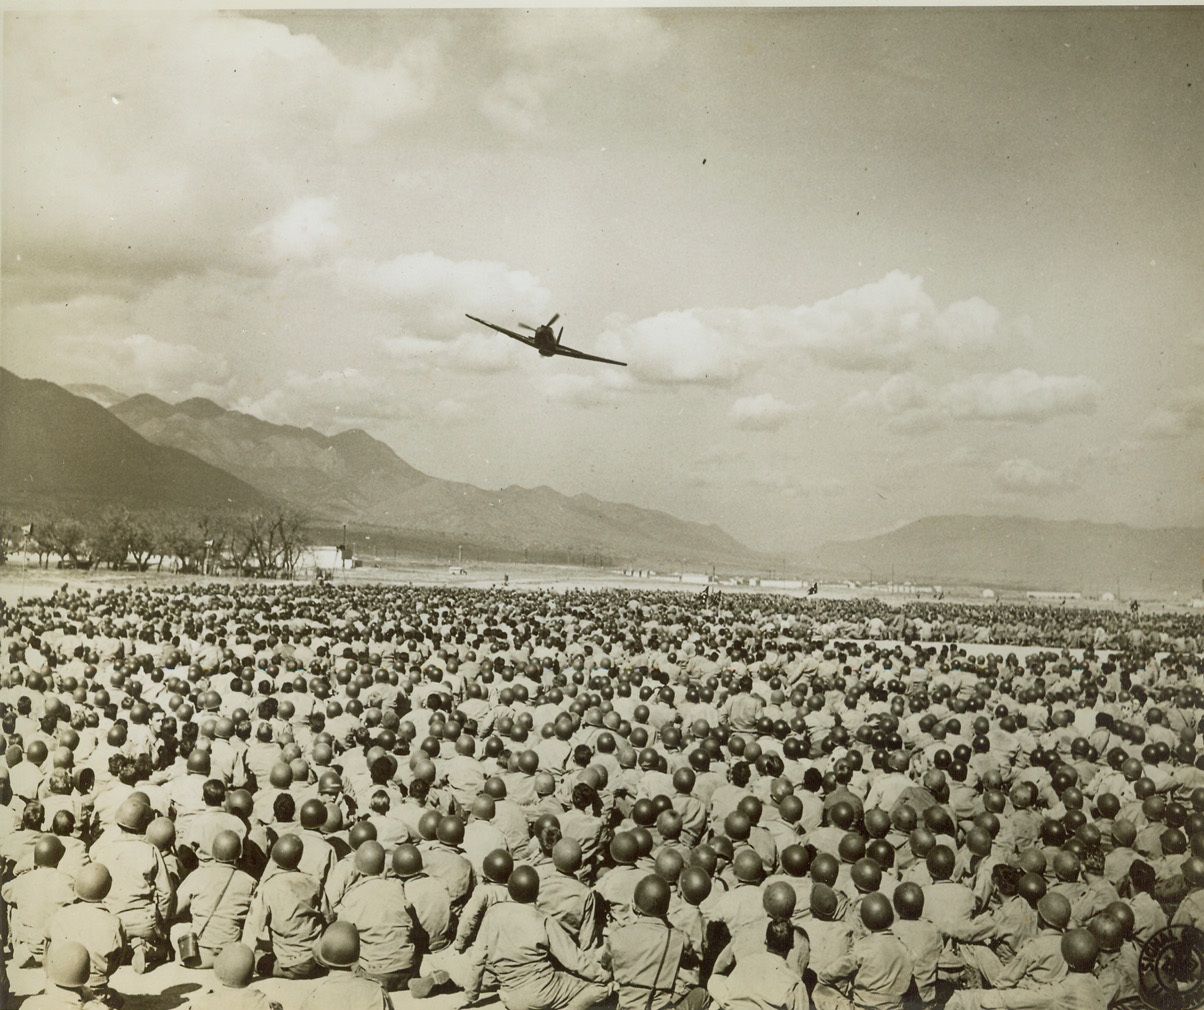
(346, 991)
(523, 947)
(384, 918)
(33, 898)
(645, 957)
(218, 896)
(141, 895)
(1038, 962)
(285, 913)
(923, 941)
(450, 866)
(572, 904)
(98, 929)
(761, 981)
(880, 969)
(431, 903)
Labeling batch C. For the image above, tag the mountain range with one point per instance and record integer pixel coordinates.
(94, 446)
(145, 452)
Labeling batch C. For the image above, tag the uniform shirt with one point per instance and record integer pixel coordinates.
(645, 957)
(1038, 962)
(218, 896)
(1148, 916)
(450, 866)
(381, 912)
(57, 998)
(231, 999)
(761, 981)
(571, 903)
(431, 903)
(285, 912)
(142, 894)
(880, 967)
(924, 943)
(346, 991)
(480, 839)
(486, 894)
(1077, 991)
(1191, 910)
(33, 898)
(617, 888)
(98, 929)
(521, 945)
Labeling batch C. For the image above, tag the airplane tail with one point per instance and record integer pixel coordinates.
(559, 335)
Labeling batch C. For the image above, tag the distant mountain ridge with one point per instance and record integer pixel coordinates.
(353, 478)
(59, 448)
(1014, 552)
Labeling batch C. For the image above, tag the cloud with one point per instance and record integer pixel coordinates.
(548, 50)
(328, 401)
(304, 230)
(469, 352)
(1020, 395)
(1182, 414)
(764, 412)
(1024, 477)
(676, 348)
(594, 389)
(912, 404)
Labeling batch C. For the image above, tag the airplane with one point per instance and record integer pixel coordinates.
(545, 341)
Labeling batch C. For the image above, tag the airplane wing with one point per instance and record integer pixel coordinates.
(501, 329)
(570, 352)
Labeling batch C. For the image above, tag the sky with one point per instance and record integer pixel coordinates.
(865, 265)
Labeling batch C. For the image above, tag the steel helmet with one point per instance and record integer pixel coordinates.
(851, 847)
(234, 965)
(978, 841)
(1107, 804)
(329, 782)
(909, 901)
(361, 831)
(796, 860)
(494, 787)
(652, 896)
(842, 815)
(47, 851)
(643, 811)
(523, 884)
(497, 866)
(286, 853)
(705, 857)
(684, 780)
(339, 946)
(1193, 871)
(624, 848)
(280, 776)
(566, 855)
(370, 858)
(240, 803)
(877, 822)
(866, 875)
(1124, 833)
(1066, 865)
(1122, 912)
(737, 826)
(779, 899)
(1079, 949)
(227, 847)
(823, 902)
(694, 884)
(312, 814)
(134, 814)
(428, 824)
(199, 763)
(669, 864)
(940, 862)
(748, 867)
(93, 882)
(876, 912)
(1054, 909)
(1109, 933)
(68, 964)
(669, 825)
(407, 860)
(161, 833)
(643, 840)
(1031, 887)
(450, 830)
(825, 868)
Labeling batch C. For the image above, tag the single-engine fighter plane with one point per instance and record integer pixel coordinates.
(545, 341)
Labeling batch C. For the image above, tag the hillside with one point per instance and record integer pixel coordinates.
(61, 449)
(1073, 556)
(354, 478)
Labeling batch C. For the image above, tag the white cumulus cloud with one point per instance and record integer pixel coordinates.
(1181, 414)
(1024, 477)
(764, 412)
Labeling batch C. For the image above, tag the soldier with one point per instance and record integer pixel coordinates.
(566, 899)
(346, 988)
(646, 955)
(285, 916)
(877, 968)
(87, 921)
(67, 977)
(33, 898)
(217, 895)
(142, 895)
(537, 965)
(377, 906)
(428, 898)
(763, 980)
(233, 969)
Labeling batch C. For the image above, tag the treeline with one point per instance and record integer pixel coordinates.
(265, 542)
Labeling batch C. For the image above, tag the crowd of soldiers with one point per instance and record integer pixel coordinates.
(560, 799)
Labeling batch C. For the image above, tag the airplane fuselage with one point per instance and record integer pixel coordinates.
(545, 341)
